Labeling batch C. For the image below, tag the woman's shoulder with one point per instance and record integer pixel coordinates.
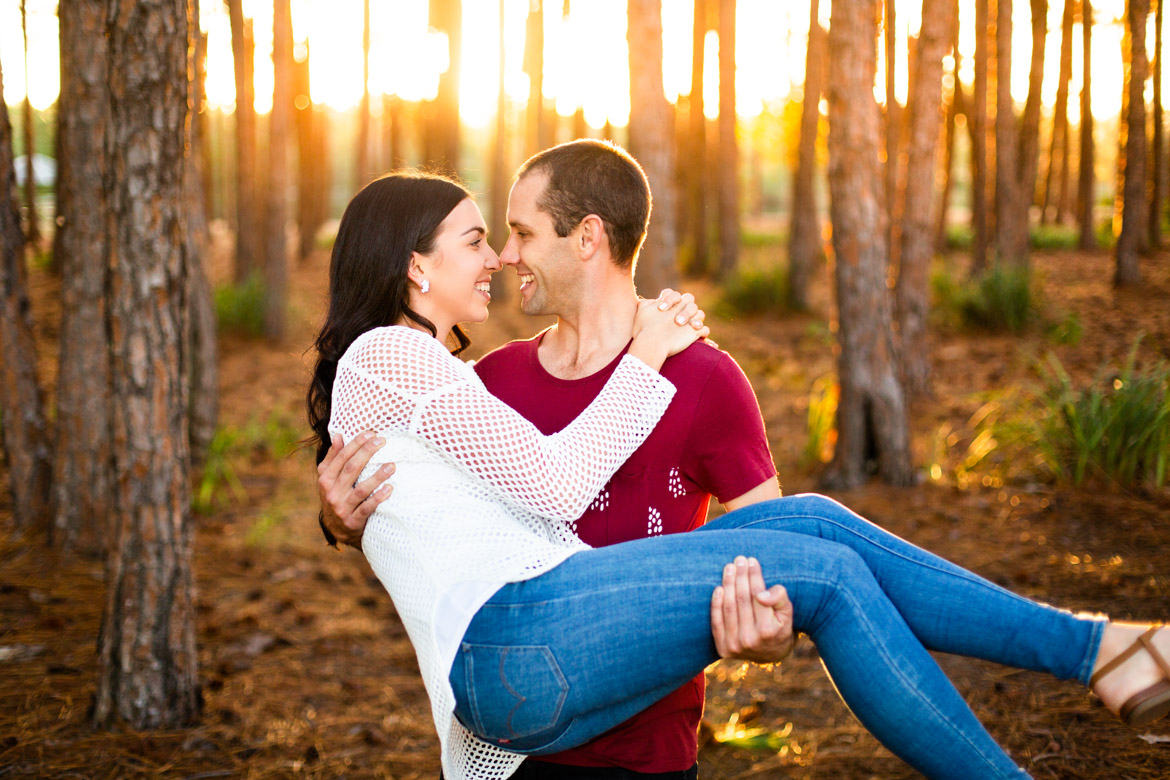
(404, 355)
(397, 342)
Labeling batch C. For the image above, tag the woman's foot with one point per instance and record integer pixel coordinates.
(1132, 672)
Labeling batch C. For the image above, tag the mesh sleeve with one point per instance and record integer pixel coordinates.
(555, 476)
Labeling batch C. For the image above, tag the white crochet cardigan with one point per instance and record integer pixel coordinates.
(481, 498)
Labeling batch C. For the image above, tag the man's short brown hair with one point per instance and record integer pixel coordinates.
(588, 176)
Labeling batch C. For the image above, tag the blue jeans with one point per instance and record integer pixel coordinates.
(551, 662)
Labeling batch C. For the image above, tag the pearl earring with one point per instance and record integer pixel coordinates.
(425, 286)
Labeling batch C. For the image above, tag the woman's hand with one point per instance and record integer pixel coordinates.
(666, 326)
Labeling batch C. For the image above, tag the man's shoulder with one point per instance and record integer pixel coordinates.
(508, 354)
(696, 365)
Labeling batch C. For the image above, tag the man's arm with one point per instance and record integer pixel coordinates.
(346, 505)
(765, 491)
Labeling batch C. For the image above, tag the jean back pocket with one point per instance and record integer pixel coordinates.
(514, 691)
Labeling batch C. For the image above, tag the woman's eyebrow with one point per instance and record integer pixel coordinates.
(476, 229)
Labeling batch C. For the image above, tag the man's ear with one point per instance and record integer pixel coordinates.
(591, 236)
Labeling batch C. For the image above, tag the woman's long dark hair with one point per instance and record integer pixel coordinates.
(384, 223)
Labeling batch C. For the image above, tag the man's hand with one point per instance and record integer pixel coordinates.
(748, 621)
(345, 505)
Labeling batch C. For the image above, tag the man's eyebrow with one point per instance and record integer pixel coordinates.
(516, 223)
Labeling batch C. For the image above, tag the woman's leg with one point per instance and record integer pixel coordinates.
(947, 607)
(554, 661)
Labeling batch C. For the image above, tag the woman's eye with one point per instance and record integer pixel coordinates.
(477, 242)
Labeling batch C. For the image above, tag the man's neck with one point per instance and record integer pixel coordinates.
(586, 340)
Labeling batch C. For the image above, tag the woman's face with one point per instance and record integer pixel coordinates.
(459, 271)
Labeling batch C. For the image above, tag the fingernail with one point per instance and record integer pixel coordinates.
(388, 469)
(753, 562)
(761, 595)
(379, 441)
(680, 320)
(729, 569)
(366, 436)
(663, 306)
(740, 560)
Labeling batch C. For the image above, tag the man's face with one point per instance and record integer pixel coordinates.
(548, 270)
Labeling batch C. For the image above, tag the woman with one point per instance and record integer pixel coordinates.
(535, 642)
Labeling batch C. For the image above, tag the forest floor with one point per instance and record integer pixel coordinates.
(307, 671)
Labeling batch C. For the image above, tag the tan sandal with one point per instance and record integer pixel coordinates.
(1152, 703)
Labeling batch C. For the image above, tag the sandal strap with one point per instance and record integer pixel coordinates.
(1147, 640)
(1143, 642)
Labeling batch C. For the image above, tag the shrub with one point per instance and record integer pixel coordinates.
(959, 237)
(1119, 427)
(822, 418)
(1000, 300)
(754, 291)
(239, 308)
(1054, 237)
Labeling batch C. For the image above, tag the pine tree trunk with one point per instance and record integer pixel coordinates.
(33, 230)
(204, 393)
(871, 414)
(957, 106)
(279, 127)
(538, 137)
(23, 432)
(652, 144)
(805, 252)
(1158, 152)
(1011, 235)
(500, 172)
(394, 114)
(978, 127)
(363, 142)
(1057, 172)
(893, 119)
(1085, 174)
(728, 168)
(924, 105)
(699, 260)
(308, 167)
(447, 16)
(146, 651)
(82, 476)
(1029, 155)
(248, 248)
(1133, 133)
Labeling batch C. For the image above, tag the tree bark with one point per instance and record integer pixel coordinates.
(279, 127)
(1158, 141)
(871, 414)
(1133, 133)
(248, 248)
(1029, 155)
(33, 230)
(146, 650)
(1057, 175)
(310, 185)
(1011, 234)
(82, 476)
(363, 142)
(538, 135)
(728, 171)
(500, 172)
(203, 412)
(978, 129)
(893, 118)
(24, 432)
(957, 105)
(695, 171)
(652, 143)
(924, 104)
(447, 16)
(805, 250)
(1085, 174)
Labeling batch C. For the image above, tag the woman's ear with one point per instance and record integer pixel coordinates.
(414, 271)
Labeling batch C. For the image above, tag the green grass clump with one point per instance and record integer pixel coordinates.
(1000, 300)
(760, 238)
(1117, 428)
(822, 419)
(755, 291)
(1054, 237)
(959, 237)
(239, 308)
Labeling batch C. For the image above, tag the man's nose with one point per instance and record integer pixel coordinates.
(509, 255)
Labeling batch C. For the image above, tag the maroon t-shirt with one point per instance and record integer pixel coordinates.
(709, 442)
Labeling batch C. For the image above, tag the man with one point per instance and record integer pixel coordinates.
(578, 215)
